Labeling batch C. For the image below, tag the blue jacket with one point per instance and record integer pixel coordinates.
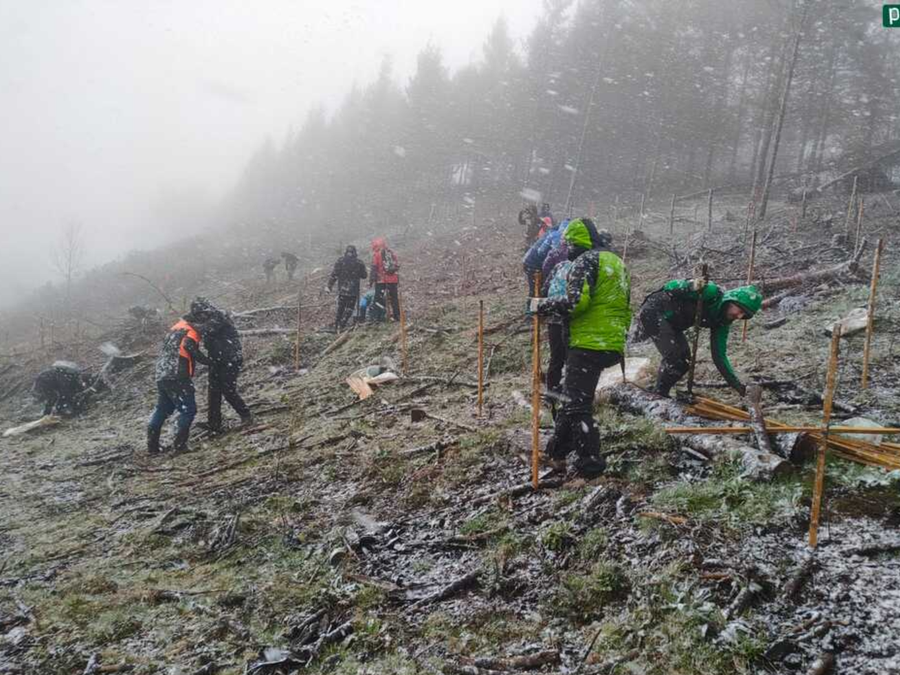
(538, 251)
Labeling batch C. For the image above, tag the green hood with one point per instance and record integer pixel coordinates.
(577, 235)
(749, 299)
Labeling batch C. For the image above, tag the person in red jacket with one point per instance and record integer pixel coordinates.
(383, 275)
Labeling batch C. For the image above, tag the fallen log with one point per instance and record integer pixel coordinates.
(436, 446)
(757, 464)
(450, 589)
(529, 662)
(799, 577)
(266, 332)
(757, 420)
(850, 269)
(263, 310)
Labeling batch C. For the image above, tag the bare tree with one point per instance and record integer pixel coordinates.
(69, 254)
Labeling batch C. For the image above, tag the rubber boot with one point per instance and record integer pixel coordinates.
(153, 441)
(590, 466)
(181, 440)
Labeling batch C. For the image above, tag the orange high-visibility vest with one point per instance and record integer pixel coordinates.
(190, 332)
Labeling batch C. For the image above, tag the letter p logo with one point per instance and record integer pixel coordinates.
(890, 15)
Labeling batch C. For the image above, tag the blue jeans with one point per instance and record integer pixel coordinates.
(174, 395)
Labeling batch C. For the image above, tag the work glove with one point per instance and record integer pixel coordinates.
(698, 284)
(532, 305)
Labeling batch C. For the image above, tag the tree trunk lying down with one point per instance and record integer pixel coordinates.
(757, 464)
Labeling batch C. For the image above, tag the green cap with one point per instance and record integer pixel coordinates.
(747, 297)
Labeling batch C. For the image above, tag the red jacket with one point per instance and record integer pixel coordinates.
(378, 275)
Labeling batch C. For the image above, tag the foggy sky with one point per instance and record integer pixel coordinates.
(121, 114)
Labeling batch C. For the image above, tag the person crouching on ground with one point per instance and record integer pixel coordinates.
(175, 367)
(597, 306)
(666, 314)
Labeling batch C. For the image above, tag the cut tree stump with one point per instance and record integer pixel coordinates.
(757, 464)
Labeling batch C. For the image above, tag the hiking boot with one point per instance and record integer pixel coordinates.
(248, 421)
(153, 441)
(558, 465)
(590, 467)
(181, 440)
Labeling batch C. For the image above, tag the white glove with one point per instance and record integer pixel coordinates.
(697, 285)
(533, 305)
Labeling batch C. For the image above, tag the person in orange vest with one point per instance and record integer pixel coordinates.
(175, 368)
(383, 274)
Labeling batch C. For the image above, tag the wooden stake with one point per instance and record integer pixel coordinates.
(698, 315)
(749, 277)
(709, 211)
(830, 384)
(297, 342)
(641, 221)
(850, 206)
(536, 391)
(750, 209)
(859, 221)
(480, 355)
(870, 319)
(403, 350)
(868, 431)
(803, 205)
(672, 216)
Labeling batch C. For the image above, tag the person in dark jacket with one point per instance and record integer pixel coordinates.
(383, 275)
(347, 273)
(597, 306)
(223, 346)
(528, 218)
(175, 368)
(545, 213)
(667, 313)
(535, 256)
(290, 264)
(62, 388)
(269, 265)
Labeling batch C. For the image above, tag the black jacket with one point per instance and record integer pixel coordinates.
(347, 273)
(58, 387)
(223, 342)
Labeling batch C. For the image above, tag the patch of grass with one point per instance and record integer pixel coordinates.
(483, 522)
(557, 536)
(114, 625)
(730, 500)
(369, 597)
(583, 597)
(593, 543)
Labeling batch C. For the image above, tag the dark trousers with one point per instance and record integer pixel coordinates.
(558, 337)
(223, 383)
(669, 341)
(345, 306)
(174, 395)
(530, 274)
(575, 426)
(393, 293)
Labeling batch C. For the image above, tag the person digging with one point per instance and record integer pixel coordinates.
(597, 306)
(667, 313)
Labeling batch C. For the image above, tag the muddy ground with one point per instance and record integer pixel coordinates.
(338, 536)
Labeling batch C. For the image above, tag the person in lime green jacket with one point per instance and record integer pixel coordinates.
(665, 315)
(597, 306)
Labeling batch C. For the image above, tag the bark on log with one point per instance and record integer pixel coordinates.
(451, 589)
(757, 464)
(844, 270)
(757, 420)
(799, 577)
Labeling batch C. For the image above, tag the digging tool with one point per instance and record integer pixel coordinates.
(698, 315)
(536, 390)
(830, 384)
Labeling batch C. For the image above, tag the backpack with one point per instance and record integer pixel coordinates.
(389, 262)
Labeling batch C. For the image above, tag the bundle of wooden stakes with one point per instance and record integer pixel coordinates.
(885, 455)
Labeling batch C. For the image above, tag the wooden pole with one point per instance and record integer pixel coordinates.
(830, 384)
(297, 341)
(749, 277)
(859, 222)
(698, 315)
(850, 205)
(641, 217)
(480, 355)
(749, 218)
(870, 318)
(803, 205)
(403, 350)
(709, 211)
(672, 216)
(536, 391)
(42, 332)
(867, 431)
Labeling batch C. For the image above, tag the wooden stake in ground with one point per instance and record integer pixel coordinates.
(403, 350)
(830, 385)
(803, 205)
(536, 391)
(870, 317)
(672, 216)
(850, 205)
(641, 216)
(749, 277)
(859, 222)
(480, 355)
(698, 314)
(709, 211)
(297, 342)
(750, 208)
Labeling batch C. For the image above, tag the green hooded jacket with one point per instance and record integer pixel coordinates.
(598, 296)
(681, 315)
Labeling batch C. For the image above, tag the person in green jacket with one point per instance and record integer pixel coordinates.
(597, 306)
(665, 315)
